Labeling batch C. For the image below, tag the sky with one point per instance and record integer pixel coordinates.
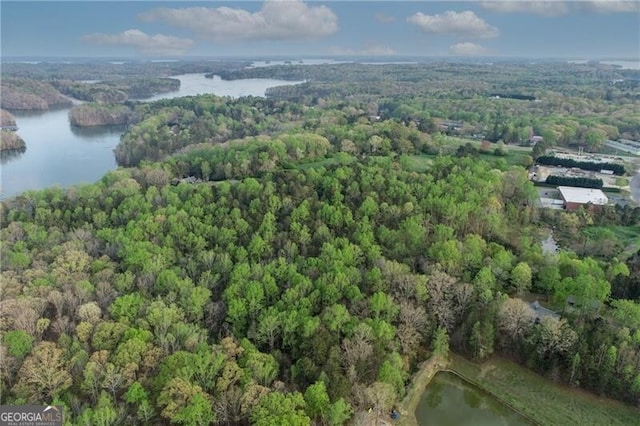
(162, 29)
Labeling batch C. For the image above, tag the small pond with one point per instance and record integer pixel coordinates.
(450, 400)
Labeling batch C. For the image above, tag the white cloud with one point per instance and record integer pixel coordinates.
(277, 20)
(614, 6)
(384, 19)
(463, 24)
(560, 7)
(373, 50)
(467, 49)
(158, 44)
(544, 8)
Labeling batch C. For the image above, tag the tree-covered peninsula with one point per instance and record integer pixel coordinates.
(10, 140)
(95, 114)
(117, 91)
(25, 94)
(7, 120)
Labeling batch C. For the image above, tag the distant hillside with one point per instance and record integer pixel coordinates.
(25, 94)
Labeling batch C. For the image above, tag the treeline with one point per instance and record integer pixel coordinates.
(116, 91)
(95, 114)
(582, 182)
(100, 69)
(551, 160)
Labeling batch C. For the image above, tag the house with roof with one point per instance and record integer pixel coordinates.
(540, 312)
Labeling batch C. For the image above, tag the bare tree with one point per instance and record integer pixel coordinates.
(555, 337)
(515, 318)
(43, 375)
(105, 294)
(440, 302)
(358, 350)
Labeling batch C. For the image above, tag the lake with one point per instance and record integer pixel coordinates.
(450, 400)
(625, 65)
(59, 154)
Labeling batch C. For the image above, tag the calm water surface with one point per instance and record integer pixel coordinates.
(629, 65)
(449, 400)
(59, 154)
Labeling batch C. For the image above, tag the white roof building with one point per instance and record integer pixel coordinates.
(572, 195)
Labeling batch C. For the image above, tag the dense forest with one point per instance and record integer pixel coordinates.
(576, 104)
(281, 260)
(290, 292)
(95, 69)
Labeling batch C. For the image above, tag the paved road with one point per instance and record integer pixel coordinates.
(635, 188)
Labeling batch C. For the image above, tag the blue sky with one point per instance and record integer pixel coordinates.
(566, 29)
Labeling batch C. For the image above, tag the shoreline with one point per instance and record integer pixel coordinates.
(419, 381)
(423, 377)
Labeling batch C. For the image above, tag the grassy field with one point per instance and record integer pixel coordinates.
(542, 400)
(417, 163)
(628, 236)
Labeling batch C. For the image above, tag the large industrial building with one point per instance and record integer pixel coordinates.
(575, 198)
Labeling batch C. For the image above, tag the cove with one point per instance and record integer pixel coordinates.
(59, 154)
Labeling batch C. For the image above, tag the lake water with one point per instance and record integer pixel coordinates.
(451, 401)
(59, 154)
(629, 65)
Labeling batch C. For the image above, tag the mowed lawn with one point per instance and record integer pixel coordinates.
(546, 402)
